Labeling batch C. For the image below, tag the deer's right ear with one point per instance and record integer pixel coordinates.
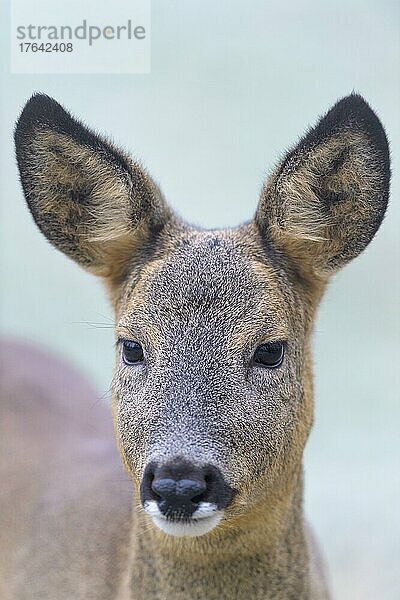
(87, 197)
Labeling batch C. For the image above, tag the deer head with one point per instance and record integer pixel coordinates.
(212, 387)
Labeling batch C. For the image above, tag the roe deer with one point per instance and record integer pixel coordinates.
(212, 397)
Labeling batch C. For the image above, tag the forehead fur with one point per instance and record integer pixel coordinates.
(210, 280)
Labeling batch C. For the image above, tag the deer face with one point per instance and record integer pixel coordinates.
(212, 388)
(208, 386)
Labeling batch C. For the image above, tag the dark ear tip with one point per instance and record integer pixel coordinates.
(354, 111)
(354, 102)
(42, 111)
(40, 108)
(353, 108)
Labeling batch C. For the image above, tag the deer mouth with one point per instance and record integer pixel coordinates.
(204, 519)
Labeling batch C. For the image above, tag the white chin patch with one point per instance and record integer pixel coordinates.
(203, 520)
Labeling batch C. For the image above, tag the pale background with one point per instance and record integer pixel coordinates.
(233, 84)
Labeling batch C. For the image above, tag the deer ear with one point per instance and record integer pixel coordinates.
(327, 198)
(87, 197)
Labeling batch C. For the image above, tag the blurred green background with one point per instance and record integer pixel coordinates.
(233, 84)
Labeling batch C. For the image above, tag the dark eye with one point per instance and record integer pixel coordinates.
(132, 352)
(270, 354)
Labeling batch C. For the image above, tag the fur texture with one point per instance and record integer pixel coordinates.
(200, 303)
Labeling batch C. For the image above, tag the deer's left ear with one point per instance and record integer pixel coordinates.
(327, 198)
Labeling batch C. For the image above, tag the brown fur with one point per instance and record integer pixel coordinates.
(200, 303)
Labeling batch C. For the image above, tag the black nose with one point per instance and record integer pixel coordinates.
(179, 492)
(179, 486)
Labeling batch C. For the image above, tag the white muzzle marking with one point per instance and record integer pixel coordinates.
(204, 519)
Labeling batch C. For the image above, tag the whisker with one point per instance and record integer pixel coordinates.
(94, 325)
(105, 396)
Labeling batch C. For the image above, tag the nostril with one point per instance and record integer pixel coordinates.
(208, 480)
(190, 489)
(146, 488)
(164, 488)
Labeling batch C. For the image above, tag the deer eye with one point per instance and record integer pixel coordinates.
(132, 352)
(270, 355)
